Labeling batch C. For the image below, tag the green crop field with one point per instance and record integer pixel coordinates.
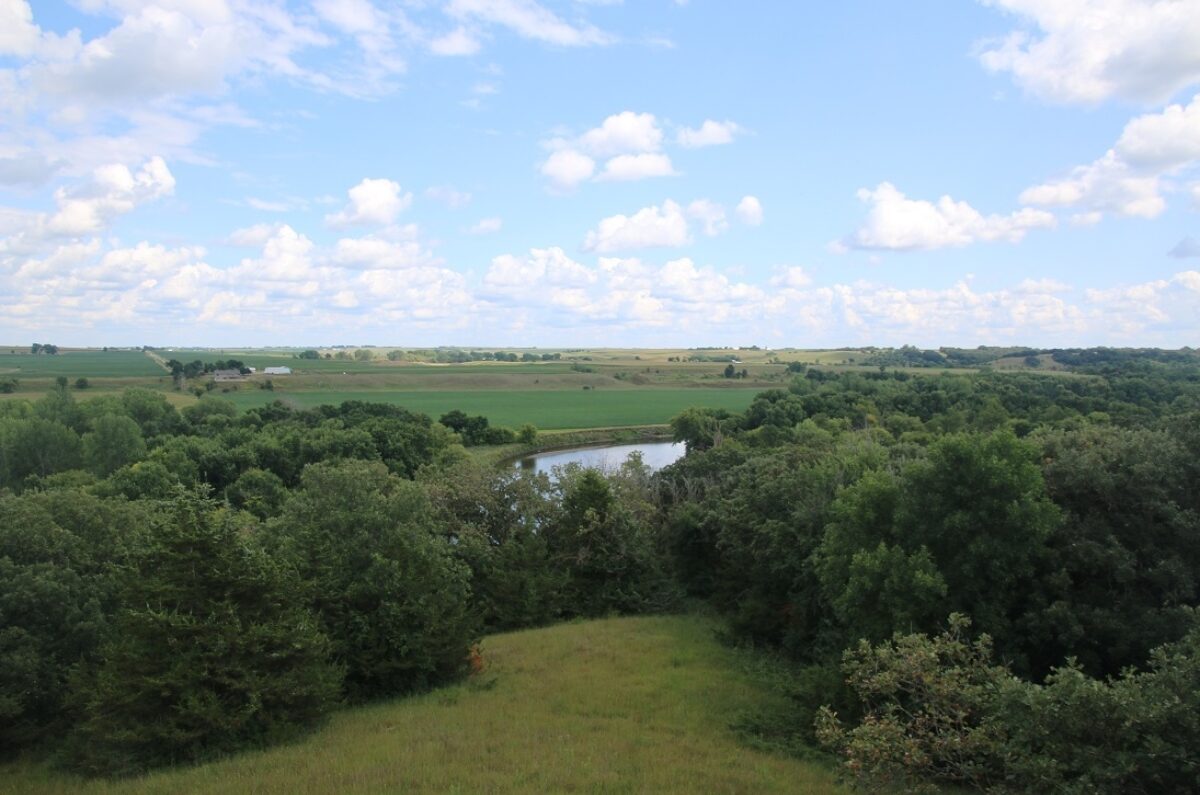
(76, 364)
(618, 705)
(545, 409)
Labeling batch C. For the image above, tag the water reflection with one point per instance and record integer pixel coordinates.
(655, 455)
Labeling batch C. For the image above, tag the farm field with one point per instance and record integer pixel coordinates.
(76, 364)
(547, 409)
(615, 705)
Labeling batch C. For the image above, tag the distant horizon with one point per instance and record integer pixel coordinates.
(584, 348)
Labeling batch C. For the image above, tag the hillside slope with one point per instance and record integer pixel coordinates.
(617, 705)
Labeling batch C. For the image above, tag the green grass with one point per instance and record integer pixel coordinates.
(76, 364)
(549, 409)
(618, 705)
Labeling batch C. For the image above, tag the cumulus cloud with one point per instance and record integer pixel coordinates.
(372, 201)
(374, 253)
(567, 168)
(710, 133)
(541, 268)
(896, 222)
(89, 207)
(626, 168)
(622, 133)
(628, 144)
(650, 227)
(1092, 50)
(710, 215)
(486, 226)
(750, 211)
(1129, 179)
(252, 236)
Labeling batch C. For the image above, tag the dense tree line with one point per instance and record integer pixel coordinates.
(179, 584)
(854, 514)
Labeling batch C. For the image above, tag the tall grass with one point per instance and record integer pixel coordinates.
(617, 705)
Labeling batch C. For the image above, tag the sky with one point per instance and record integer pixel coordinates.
(646, 173)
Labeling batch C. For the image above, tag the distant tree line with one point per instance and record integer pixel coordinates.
(197, 368)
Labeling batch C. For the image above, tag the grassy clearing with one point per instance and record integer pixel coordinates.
(618, 705)
(77, 364)
(545, 409)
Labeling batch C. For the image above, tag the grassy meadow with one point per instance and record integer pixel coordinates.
(550, 410)
(77, 364)
(615, 705)
(584, 389)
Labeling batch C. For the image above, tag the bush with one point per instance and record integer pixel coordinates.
(940, 711)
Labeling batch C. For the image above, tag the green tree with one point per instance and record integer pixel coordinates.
(113, 442)
(389, 592)
(35, 446)
(212, 651)
(260, 492)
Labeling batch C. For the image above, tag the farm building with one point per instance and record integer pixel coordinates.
(228, 375)
(277, 371)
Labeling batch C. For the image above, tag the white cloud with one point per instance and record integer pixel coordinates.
(1165, 140)
(567, 168)
(88, 208)
(791, 278)
(18, 35)
(529, 20)
(486, 226)
(543, 267)
(750, 211)
(629, 141)
(647, 228)
(622, 133)
(253, 236)
(1092, 50)
(1130, 179)
(627, 168)
(710, 215)
(372, 201)
(459, 41)
(373, 253)
(897, 222)
(1108, 185)
(710, 133)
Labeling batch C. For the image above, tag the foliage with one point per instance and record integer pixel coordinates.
(384, 584)
(211, 650)
(938, 710)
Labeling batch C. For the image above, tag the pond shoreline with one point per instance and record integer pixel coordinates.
(551, 441)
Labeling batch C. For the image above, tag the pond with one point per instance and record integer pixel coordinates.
(655, 455)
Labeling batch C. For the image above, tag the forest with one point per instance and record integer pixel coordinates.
(977, 580)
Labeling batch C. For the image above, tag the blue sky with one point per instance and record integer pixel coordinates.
(638, 173)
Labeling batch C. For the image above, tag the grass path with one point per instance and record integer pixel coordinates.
(618, 705)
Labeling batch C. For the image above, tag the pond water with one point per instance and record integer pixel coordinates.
(655, 455)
